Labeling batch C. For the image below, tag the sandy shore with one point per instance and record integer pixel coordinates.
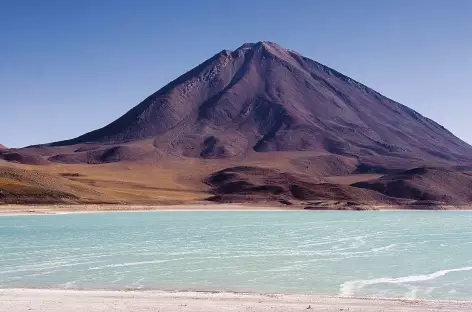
(19, 300)
(58, 209)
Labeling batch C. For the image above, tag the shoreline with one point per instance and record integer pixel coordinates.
(55, 209)
(14, 210)
(56, 300)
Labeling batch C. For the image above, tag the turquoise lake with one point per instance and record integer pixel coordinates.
(407, 254)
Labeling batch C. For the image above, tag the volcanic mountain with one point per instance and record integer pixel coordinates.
(262, 98)
(261, 123)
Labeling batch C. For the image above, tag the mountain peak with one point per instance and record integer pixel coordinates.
(261, 45)
(256, 44)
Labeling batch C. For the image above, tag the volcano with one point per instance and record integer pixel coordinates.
(259, 123)
(262, 98)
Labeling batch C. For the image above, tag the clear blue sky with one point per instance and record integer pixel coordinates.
(68, 67)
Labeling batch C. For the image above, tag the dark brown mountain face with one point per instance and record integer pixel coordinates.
(252, 184)
(262, 97)
(424, 184)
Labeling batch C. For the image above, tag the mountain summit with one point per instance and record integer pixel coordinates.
(262, 98)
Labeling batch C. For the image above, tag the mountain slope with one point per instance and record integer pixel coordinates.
(424, 184)
(250, 184)
(262, 98)
(19, 185)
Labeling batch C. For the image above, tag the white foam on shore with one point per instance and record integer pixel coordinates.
(349, 289)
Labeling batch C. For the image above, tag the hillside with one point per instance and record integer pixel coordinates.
(256, 184)
(35, 187)
(424, 184)
(103, 184)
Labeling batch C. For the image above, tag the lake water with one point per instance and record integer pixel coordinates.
(408, 254)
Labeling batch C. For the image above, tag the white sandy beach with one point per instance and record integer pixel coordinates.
(19, 300)
(203, 206)
(64, 209)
